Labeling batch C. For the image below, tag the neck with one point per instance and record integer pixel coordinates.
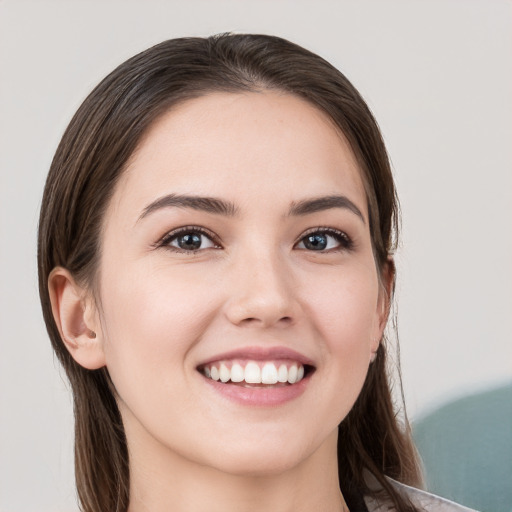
(161, 480)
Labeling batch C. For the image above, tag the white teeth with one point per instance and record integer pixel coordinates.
(292, 374)
(252, 373)
(237, 373)
(215, 373)
(269, 374)
(282, 374)
(224, 373)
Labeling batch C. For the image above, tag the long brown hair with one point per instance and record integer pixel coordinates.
(91, 156)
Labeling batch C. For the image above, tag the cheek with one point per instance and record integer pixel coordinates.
(344, 313)
(153, 317)
(344, 306)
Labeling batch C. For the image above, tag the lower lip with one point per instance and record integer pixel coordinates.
(259, 396)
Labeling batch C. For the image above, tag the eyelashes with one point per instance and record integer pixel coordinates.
(192, 239)
(189, 239)
(325, 240)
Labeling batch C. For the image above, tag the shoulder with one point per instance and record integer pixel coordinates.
(424, 501)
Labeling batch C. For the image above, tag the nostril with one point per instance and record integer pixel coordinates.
(261, 304)
(285, 321)
(250, 320)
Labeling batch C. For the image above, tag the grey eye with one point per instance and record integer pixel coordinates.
(324, 240)
(190, 241)
(315, 242)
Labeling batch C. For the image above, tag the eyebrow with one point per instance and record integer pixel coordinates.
(205, 204)
(308, 206)
(229, 209)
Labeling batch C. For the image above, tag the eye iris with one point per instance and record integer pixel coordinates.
(315, 242)
(190, 241)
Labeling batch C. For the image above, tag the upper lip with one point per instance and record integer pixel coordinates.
(260, 354)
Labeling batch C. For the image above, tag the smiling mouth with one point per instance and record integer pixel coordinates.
(256, 374)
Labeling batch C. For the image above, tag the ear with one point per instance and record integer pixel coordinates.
(77, 319)
(387, 287)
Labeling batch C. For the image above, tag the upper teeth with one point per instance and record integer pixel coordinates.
(254, 373)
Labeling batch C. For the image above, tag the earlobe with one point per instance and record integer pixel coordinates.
(388, 289)
(384, 303)
(76, 318)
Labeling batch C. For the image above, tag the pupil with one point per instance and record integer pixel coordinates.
(316, 242)
(189, 241)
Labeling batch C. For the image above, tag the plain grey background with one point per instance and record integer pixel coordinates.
(438, 76)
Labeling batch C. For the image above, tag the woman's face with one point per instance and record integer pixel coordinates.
(237, 245)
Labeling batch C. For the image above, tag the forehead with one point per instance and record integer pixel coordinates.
(242, 146)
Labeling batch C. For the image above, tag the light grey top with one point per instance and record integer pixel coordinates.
(423, 500)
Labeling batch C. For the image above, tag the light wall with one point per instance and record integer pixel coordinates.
(438, 77)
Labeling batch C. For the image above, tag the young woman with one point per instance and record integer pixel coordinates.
(215, 264)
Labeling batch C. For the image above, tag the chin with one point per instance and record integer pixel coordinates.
(258, 466)
(265, 457)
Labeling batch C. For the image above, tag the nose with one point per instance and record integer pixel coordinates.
(262, 293)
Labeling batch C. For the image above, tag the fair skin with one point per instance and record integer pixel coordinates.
(247, 279)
